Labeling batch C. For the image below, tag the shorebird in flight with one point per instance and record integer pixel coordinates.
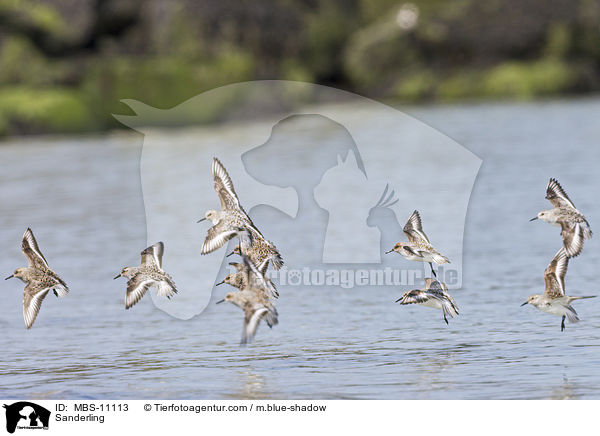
(233, 221)
(553, 300)
(574, 227)
(148, 274)
(253, 299)
(240, 278)
(434, 295)
(38, 276)
(418, 247)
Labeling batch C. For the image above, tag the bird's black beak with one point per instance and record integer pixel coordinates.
(533, 219)
(199, 221)
(398, 300)
(117, 277)
(220, 283)
(220, 301)
(230, 254)
(9, 277)
(388, 252)
(527, 302)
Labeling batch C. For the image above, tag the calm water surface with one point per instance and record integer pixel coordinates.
(82, 197)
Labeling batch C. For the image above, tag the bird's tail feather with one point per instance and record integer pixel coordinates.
(271, 318)
(277, 261)
(439, 258)
(572, 315)
(275, 256)
(61, 291)
(165, 290)
(450, 309)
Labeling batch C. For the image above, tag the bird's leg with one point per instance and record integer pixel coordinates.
(241, 252)
(432, 271)
(446, 319)
(562, 324)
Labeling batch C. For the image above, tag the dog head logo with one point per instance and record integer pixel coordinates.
(331, 185)
(26, 415)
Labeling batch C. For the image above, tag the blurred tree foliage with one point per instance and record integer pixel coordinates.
(65, 64)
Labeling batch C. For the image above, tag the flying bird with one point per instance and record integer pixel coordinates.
(575, 229)
(233, 221)
(148, 274)
(253, 299)
(553, 300)
(434, 295)
(38, 276)
(418, 247)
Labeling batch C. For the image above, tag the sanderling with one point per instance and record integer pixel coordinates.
(39, 278)
(435, 295)
(418, 247)
(148, 274)
(239, 280)
(253, 301)
(554, 300)
(574, 227)
(261, 252)
(232, 220)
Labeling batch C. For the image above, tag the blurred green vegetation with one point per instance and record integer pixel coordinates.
(66, 64)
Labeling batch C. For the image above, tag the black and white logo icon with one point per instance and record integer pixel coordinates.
(26, 415)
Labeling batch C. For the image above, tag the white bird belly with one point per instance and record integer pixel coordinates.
(411, 256)
(427, 257)
(554, 309)
(550, 220)
(434, 304)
